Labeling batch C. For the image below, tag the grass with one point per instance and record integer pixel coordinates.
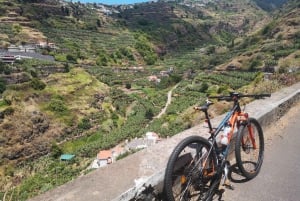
(124, 113)
(68, 96)
(3, 104)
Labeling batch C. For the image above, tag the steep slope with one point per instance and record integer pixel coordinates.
(191, 24)
(275, 45)
(98, 91)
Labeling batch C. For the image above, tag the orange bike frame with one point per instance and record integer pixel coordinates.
(236, 119)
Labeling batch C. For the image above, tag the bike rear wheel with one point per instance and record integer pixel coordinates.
(249, 148)
(191, 171)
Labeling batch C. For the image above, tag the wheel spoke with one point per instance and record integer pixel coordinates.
(249, 149)
(193, 166)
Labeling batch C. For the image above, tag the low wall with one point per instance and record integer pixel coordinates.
(140, 176)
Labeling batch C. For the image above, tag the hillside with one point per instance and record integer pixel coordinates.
(111, 68)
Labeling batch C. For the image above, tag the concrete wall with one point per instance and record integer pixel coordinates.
(140, 176)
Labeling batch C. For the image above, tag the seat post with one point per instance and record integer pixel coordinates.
(207, 120)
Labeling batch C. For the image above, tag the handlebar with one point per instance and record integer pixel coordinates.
(235, 96)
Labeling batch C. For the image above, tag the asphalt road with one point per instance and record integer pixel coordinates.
(279, 179)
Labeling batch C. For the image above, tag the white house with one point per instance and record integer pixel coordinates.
(104, 158)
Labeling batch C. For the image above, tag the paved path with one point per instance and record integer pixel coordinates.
(280, 173)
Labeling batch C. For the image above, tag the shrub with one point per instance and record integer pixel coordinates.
(145, 49)
(128, 86)
(2, 86)
(33, 73)
(57, 105)
(254, 64)
(84, 124)
(55, 151)
(60, 57)
(102, 59)
(149, 114)
(2, 66)
(204, 86)
(8, 111)
(71, 58)
(67, 67)
(37, 84)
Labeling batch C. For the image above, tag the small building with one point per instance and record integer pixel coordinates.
(13, 48)
(154, 78)
(268, 76)
(152, 137)
(269, 69)
(66, 157)
(9, 59)
(44, 45)
(104, 158)
(26, 48)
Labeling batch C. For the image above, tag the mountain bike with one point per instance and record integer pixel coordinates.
(197, 165)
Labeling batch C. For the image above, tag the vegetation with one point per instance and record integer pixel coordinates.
(112, 73)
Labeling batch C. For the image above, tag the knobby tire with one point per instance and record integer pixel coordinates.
(190, 171)
(249, 159)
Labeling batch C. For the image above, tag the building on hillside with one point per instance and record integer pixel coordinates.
(150, 139)
(154, 78)
(8, 59)
(66, 157)
(15, 53)
(152, 136)
(21, 48)
(13, 48)
(44, 45)
(104, 158)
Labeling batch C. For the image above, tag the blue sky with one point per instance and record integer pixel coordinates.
(111, 2)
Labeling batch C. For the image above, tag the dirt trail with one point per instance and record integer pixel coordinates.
(163, 111)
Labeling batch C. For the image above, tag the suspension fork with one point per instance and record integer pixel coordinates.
(245, 119)
(251, 134)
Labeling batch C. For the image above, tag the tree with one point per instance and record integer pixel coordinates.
(2, 66)
(37, 84)
(71, 58)
(85, 124)
(128, 85)
(2, 86)
(67, 67)
(149, 114)
(16, 29)
(204, 86)
(99, 23)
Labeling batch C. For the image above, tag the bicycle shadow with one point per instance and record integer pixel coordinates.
(235, 175)
(218, 195)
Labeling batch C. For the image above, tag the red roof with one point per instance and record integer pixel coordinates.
(104, 155)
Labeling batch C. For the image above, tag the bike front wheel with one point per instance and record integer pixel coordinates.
(191, 171)
(249, 148)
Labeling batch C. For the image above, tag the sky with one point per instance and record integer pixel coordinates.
(111, 2)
